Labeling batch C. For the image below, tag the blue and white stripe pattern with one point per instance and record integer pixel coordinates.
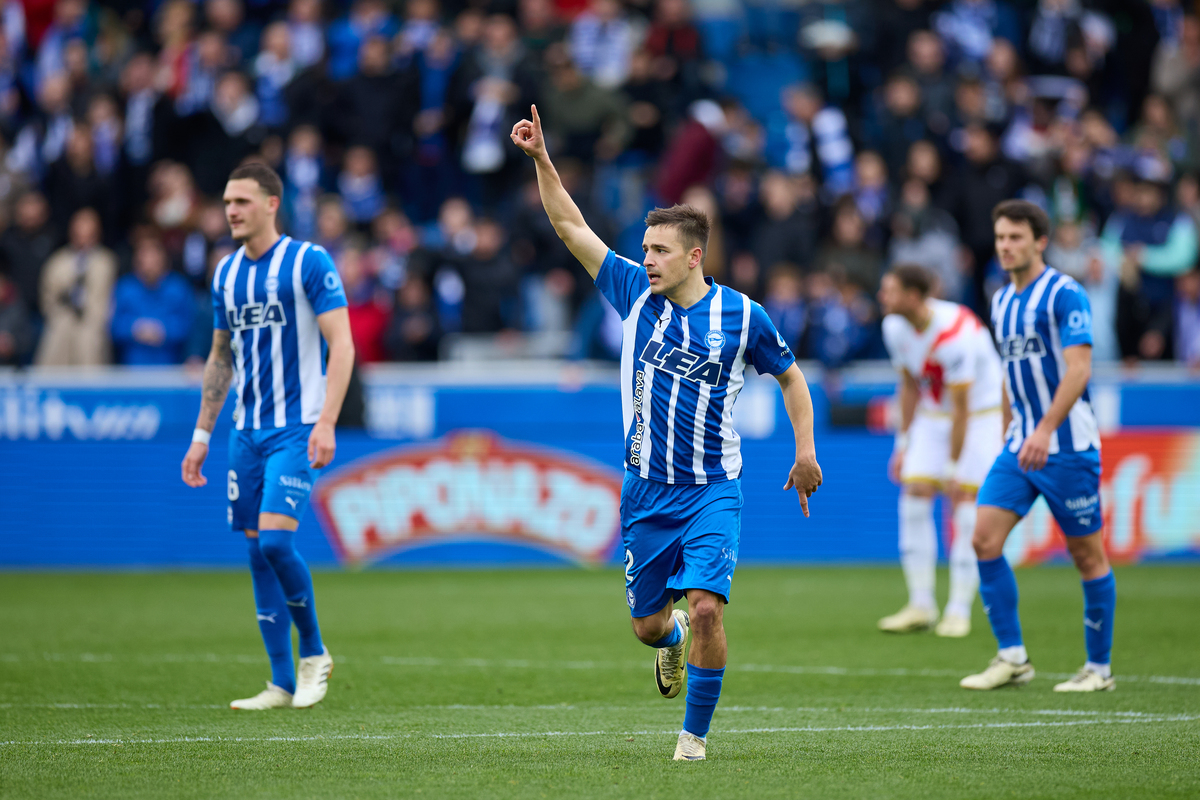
(1032, 328)
(270, 307)
(682, 370)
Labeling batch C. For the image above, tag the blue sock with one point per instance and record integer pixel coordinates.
(274, 622)
(998, 590)
(1099, 605)
(703, 691)
(280, 550)
(671, 639)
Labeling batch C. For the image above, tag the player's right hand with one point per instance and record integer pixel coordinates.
(896, 465)
(527, 135)
(192, 463)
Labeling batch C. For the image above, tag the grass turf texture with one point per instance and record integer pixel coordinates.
(530, 684)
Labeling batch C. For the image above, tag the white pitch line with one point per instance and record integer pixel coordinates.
(652, 709)
(487, 663)
(106, 706)
(546, 734)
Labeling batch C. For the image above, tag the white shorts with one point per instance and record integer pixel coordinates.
(928, 453)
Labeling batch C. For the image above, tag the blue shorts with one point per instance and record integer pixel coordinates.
(678, 537)
(269, 473)
(1070, 482)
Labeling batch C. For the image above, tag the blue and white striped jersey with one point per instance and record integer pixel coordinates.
(681, 371)
(270, 307)
(1032, 329)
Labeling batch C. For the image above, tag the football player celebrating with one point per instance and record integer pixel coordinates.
(950, 433)
(278, 309)
(685, 346)
(1043, 327)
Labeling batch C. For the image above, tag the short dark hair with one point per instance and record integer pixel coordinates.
(914, 277)
(263, 175)
(692, 224)
(1023, 211)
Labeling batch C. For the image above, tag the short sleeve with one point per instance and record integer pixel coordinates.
(622, 282)
(218, 299)
(955, 356)
(891, 340)
(766, 350)
(1073, 315)
(322, 285)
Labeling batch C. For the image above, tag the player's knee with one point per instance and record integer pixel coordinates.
(1089, 557)
(274, 547)
(648, 630)
(706, 615)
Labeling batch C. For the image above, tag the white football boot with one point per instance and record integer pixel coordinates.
(312, 680)
(953, 626)
(1087, 681)
(999, 673)
(670, 663)
(689, 747)
(908, 619)
(271, 697)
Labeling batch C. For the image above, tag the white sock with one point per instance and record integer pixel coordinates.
(1014, 655)
(964, 572)
(918, 549)
(1103, 670)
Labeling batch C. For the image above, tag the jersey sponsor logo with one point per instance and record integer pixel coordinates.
(332, 282)
(639, 427)
(255, 315)
(716, 339)
(471, 487)
(272, 284)
(1015, 348)
(678, 361)
(1079, 320)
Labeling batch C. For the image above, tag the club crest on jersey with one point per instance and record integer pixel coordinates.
(255, 315)
(715, 339)
(678, 361)
(1014, 348)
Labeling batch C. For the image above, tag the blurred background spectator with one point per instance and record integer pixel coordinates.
(827, 140)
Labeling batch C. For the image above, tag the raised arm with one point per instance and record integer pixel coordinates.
(218, 372)
(335, 327)
(805, 475)
(564, 215)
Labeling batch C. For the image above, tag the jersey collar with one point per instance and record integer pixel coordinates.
(266, 253)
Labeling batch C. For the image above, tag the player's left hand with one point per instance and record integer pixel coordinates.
(1034, 451)
(805, 477)
(321, 445)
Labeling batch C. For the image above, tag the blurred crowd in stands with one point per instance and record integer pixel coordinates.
(827, 139)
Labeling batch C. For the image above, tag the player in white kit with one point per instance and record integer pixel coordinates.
(950, 432)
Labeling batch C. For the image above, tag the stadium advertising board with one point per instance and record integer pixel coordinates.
(1150, 494)
(471, 486)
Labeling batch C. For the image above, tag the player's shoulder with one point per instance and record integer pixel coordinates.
(1061, 283)
(220, 273)
(752, 311)
(896, 327)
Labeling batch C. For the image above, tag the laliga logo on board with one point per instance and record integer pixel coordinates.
(470, 487)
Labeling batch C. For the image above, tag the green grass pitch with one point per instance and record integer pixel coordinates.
(530, 684)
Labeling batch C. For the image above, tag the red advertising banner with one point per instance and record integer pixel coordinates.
(471, 486)
(1150, 493)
